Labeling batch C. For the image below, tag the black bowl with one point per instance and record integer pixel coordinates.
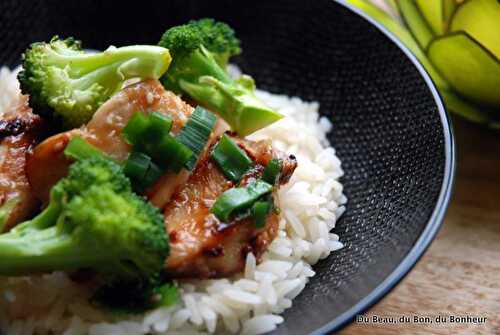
(390, 129)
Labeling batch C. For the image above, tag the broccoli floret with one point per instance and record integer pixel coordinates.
(219, 38)
(137, 300)
(93, 221)
(200, 51)
(67, 84)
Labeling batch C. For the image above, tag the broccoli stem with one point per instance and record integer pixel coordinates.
(190, 67)
(67, 85)
(200, 76)
(38, 245)
(111, 76)
(146, 57)
(79, 149)
(41, 245)
(42, 250)
(42, 221)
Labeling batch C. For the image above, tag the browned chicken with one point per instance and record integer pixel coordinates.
(200, 245)
(47, 164)
(19, 128)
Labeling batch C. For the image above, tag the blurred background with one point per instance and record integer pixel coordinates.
(458, 42)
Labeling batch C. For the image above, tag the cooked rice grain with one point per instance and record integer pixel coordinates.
(9, 89)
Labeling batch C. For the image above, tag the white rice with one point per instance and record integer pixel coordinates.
(249, 303)
(9, 89)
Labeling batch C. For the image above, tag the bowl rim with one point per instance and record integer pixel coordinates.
(436, 219)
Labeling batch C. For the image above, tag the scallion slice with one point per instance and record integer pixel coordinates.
(272, 171)
(152, 175)
(79, 149)
(239, 198)
(231, 159)
(260, 210)
(196, 132)
(169, 153)
(159, 124)
(137, 165)
(136, 128)
(150, 135)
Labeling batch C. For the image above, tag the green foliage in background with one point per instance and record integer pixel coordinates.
(458, 42)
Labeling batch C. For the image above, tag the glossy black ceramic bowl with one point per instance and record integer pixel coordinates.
(390, 129)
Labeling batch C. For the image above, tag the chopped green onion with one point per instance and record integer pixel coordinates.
(239, 198)
(141, 128)
(260, 210)
(166, 295)
(231, 159)
(137, 165)
(136, 128)
(152, 175)
(79, 149)
(150, 135)
(142, 171)
(159, 124)
(169, 153)
(196, 132)
(272, 171)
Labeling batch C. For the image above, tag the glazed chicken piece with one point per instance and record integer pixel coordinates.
(200, 245)
(19, 129)
(48, 164)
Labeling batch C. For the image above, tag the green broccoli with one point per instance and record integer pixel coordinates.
(67, 84)
(200, 50)
(219, 39)
(93, 221)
